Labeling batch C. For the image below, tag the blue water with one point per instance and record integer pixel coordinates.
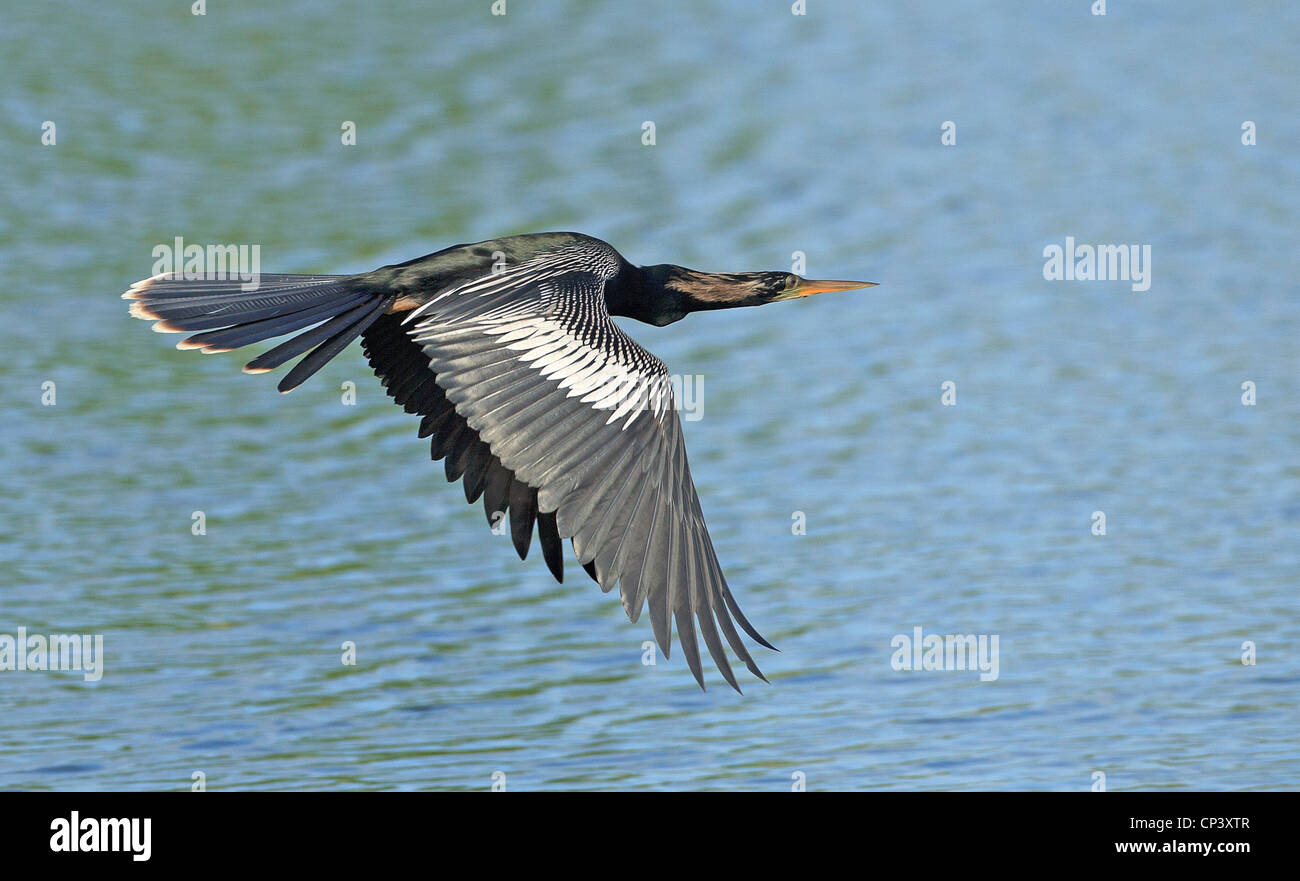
(1119, 654)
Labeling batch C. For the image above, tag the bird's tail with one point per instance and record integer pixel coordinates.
(227, 317)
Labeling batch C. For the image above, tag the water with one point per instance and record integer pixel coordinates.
(1119, 654)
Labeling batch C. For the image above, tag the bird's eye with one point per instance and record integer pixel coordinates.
(791, 281)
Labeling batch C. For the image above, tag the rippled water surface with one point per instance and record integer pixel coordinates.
(326, 523)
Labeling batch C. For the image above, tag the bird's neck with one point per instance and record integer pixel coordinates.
(646, 294)
(664, 293)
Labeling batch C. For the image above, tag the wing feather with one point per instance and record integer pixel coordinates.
(565, 421)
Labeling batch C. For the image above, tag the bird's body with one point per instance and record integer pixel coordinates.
(531, 395)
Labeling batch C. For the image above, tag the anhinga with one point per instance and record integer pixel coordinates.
(530, 393)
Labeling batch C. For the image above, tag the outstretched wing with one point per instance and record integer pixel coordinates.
(528, 390)
(578, 411)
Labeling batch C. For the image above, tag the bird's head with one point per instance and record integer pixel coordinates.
(774, 286)
(688, 290)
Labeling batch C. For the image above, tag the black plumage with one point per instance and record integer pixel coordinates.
(532, 397)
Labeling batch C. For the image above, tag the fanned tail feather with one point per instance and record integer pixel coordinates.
(220, 315)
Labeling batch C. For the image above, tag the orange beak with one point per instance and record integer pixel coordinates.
(808, 287)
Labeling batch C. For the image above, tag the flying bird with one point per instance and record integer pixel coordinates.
(532, 396)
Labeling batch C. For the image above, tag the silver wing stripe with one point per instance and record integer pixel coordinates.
(597, 377)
